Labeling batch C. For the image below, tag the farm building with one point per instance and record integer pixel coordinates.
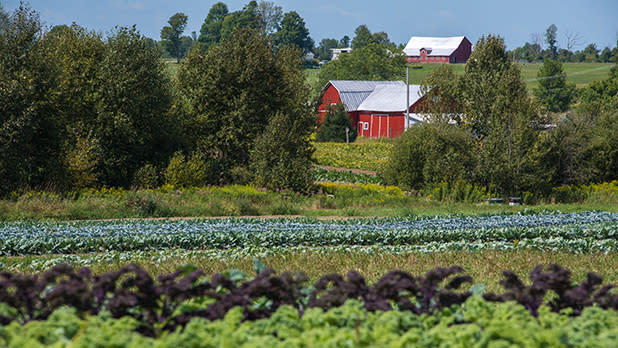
(376, 108)
(438, 49)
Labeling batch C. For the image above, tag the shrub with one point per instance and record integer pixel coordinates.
(429, 154)
(334, 126)
(146, 177)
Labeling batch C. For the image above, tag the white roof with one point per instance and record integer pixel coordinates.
(390, 98)
(439, 46)
(353, 93)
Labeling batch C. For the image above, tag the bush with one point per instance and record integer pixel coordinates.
(334, 126)
(281, 158)
(429, 154)
(186, 173)
(147, 177)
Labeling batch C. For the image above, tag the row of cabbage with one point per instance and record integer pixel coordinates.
(579, 232)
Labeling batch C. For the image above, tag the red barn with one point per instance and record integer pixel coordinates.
(376, 108)
(438, 49)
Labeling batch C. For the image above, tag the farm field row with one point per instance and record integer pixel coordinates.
(576, 232)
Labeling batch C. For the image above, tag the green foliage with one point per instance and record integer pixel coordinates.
(210, 32)
(372, 62)
(324, 48)
(281, 157)
(333, 127)
(147, 177)
(293, 32)
(428, 154)
(171, 34)
(554, 93)
(550, 38)
(234, 90)
(194, 172)
(363, 37)
(30, 130)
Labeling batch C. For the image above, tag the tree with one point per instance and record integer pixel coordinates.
(344, 42)
(210, 32)
(131, 127)
(591, 53)
(31, 132)
(324, 48)
(441, 90)
(333, 127)
(550, 38)
(428, 154)
(270, 16)
(233, 90)
(573, 39)
(373, 62)
(293, 32)
(500, 114)
(554, 94)
(246, 18)
(362, 37)
(171, 34)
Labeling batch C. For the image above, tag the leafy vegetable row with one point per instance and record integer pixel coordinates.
(173, 300)
(476, 323)
(582, 232)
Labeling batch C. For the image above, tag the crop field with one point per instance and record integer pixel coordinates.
(371, 156)
(35, 246)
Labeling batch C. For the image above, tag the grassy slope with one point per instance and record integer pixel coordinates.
(581, 74)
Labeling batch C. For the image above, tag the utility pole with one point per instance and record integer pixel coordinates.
(407, 96)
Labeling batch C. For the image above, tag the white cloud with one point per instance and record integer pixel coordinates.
(332, 8)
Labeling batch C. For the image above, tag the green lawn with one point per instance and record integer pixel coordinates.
(581, 74)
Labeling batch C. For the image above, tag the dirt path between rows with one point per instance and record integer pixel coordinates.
(339, 169)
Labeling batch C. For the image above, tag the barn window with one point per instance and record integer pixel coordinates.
(365, 125)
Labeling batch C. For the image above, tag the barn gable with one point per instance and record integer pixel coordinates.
(456, 49)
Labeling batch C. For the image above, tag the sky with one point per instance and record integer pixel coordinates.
(595, 21)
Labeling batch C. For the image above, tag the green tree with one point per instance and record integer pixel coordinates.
(333, 127)
(132, 127)
(441, 90)
(270, 16)
(428, 154)
(171, 34)
(373, 62)
(344, 42)
(550, 38)
(499, 112)
(293, 32)
(248, 17)
(210, 32)
(362, 37)
(324, 48)
(30, 131)
(233, 90)
(554, 94)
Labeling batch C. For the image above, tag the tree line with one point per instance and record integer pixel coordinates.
(78, 109)
(220, 24)
(545, 46)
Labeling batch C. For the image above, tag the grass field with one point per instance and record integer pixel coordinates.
(581, 74)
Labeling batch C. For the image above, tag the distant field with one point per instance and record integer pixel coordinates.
(171, 66)
(581, 74)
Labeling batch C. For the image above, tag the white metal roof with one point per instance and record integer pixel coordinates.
(353, 93)
(390, 98)
(439, 46)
